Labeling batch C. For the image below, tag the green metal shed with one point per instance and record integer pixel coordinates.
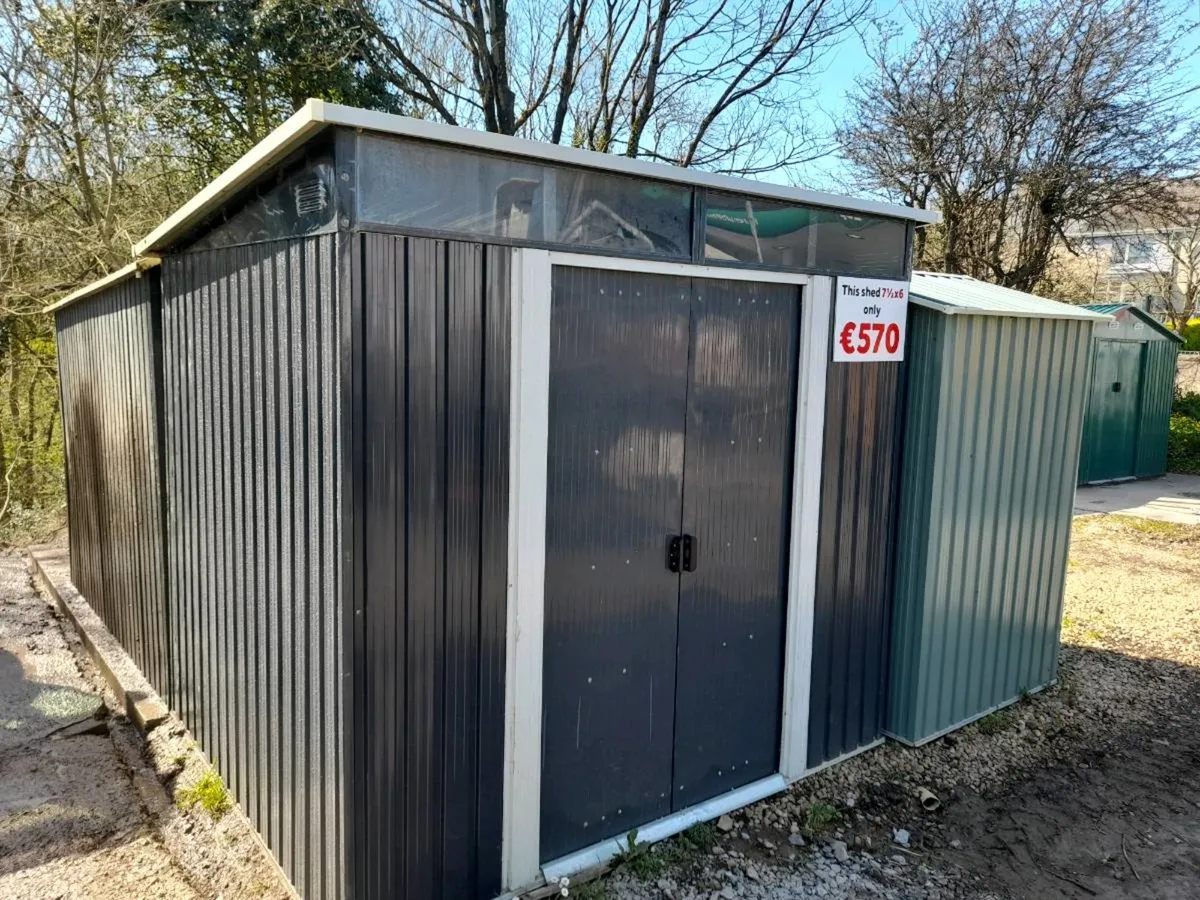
(996, 384)
(1129, 404)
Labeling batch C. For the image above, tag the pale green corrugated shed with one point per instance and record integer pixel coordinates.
(1128, 421)
(995, 394)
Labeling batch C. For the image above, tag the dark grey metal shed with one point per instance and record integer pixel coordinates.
(506, 494)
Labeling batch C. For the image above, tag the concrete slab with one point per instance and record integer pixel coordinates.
(1172, 498)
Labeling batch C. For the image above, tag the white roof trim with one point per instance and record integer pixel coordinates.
(125, 273)
(317, 114)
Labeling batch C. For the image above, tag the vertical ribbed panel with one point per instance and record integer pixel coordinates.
(1158, 393)
(994, 413)
(108, 360)
(250, 351)
(854, 574)
(434, 425)
(618, 406)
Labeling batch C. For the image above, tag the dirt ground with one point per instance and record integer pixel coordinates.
(72, 821)
(88, 810)
(1089, 789)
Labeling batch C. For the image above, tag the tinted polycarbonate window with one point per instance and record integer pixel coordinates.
(618, 213)
(413, 184)
(778, 234)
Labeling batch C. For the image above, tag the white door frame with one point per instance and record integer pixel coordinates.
(528, 450)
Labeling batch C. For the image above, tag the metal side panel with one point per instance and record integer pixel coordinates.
(1157, 395)
(110, 383)
(252, 431)
(618, 379)
(737, 492)
(434, 523)
(980, 624)
(853, 612)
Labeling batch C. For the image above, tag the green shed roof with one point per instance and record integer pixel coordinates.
(1113, 308)
(962, 294)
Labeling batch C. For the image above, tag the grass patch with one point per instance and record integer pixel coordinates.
(819, 819)
(640, 859)
(646, 861)
(700, 838)
(994, 723)
(209, 793)
(592, 890)
(1155, 527)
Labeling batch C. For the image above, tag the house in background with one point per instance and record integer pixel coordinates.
(1154, 265)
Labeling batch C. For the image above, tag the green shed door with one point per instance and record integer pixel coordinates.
(1115, 396)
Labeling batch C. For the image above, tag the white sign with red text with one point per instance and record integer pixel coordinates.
(869, 315)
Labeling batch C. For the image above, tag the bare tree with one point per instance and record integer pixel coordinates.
(713, 83)
(1016, 119)
(79, 181)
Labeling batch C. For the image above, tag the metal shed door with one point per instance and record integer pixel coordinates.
(736, 502)
(670, 414)
(1116, 390)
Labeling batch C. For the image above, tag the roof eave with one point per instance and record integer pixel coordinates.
(125, 273)
(950, 309)
(303, 124)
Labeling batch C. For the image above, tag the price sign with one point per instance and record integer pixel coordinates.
(869, 319)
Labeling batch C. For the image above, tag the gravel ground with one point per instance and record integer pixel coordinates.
(1088, 789)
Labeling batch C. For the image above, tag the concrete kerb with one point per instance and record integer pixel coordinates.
(143, 706)
(51, 571)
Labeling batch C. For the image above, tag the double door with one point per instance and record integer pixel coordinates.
(668, 499)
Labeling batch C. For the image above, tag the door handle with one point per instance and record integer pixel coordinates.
(1116, 387)
(674, 552)
(689, 553)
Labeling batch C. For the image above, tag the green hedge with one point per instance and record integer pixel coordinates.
(1183, 447)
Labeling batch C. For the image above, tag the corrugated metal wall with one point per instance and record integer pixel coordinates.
(108, 351)
(250, 347)
(1158, 393)
(854, 555)
(994, 413)
(429, 674)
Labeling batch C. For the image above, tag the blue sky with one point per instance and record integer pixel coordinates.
(848, 62)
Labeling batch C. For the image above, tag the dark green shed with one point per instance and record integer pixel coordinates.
(1129, 403)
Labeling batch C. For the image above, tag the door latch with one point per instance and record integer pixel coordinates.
(674, 553)
(689, 553)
